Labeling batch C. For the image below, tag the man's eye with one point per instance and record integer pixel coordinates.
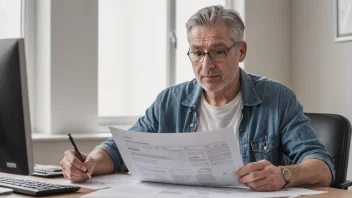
(220, 52)
(198, 53)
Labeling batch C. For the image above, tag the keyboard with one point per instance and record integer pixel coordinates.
(35, 188)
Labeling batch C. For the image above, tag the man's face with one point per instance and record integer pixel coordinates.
(214, 76)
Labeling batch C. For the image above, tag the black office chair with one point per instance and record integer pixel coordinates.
(334, 132)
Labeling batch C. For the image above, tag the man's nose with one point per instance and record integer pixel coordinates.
(207, 62)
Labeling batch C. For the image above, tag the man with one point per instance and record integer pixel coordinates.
(266, 116)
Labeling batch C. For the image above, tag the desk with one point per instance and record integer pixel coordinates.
(332, 192)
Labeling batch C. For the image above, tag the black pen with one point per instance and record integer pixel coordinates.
(78, 154)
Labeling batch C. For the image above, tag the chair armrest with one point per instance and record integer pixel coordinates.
(344, 185)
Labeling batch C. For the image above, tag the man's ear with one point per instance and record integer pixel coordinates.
(243, 51)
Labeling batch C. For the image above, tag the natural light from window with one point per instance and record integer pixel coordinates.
(132, 55)
(10, 18)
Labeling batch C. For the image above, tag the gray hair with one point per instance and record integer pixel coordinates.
(214, 14)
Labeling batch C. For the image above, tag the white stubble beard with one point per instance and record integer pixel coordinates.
(221, 86)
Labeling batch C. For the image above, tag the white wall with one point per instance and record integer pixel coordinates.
(268, 37)
(74, 66)
(52, 151)
(67, 72)
(321, 68)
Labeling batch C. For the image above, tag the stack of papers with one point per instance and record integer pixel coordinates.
(47, 170)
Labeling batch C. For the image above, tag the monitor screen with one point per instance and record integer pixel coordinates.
(15, 132)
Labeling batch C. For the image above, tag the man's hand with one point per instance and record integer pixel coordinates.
(74, 170)
(261, 176)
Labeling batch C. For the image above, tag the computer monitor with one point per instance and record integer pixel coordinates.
(16, 154)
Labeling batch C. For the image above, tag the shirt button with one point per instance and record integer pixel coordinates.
(265, 147)
(191, 125)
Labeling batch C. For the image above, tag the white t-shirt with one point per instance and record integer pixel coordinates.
(215, 117)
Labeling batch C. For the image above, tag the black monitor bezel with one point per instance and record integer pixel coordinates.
(27, 169)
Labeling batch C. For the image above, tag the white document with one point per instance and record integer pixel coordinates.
(4, 191)
(204, 159)
(48, 168)
(99, 182)
(151, 190)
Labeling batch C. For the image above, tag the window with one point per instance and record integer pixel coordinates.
(10, 19)
(132, 55)
(133, 59)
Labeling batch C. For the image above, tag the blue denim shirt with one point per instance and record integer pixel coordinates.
(273, 125)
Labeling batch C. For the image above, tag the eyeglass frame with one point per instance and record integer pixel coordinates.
(203, 53)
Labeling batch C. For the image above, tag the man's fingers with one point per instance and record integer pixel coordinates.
(90, 165)
(70, 156)
(89, 162)
(84, 156)
(253, 176)
(71, 169)
(251, 167)
(271, 180)
(257, 183)
(72, 173)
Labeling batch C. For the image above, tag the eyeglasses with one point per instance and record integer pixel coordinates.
(215, 55)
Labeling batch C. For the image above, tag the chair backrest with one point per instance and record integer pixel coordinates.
(334, 132)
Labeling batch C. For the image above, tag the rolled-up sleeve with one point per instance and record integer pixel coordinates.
(110, 147)
(323, 158)
(299, 141)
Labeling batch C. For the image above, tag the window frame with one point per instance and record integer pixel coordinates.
(28, 32)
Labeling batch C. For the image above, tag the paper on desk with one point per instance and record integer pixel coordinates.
(151, 190)
(4, 191)
(48, 168)
(99, 182)
(205, 159)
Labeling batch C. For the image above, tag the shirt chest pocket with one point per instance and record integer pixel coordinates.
(267, 148)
